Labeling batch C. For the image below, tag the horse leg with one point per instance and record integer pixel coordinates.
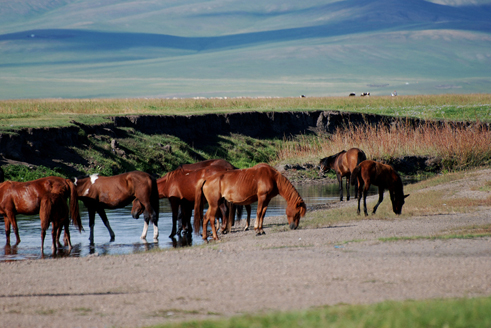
(380, 199)
(104, 219)
(248, 209)
(340, 182)
(7, 230)
(54, 234)
(262, 206)
(155, 231)
(174, 205)
(365, 193)
(145, 230)
(347, 187)
(91, 224)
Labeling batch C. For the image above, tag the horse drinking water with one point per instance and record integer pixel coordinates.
(382, 175)
(343, 164)
(243, 187)
(47, 197)
(100, 192)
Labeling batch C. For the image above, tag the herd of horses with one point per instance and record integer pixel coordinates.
(225, 188)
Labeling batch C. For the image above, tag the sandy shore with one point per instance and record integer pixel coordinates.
(282, 270)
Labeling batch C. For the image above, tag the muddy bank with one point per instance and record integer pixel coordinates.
(54, 147)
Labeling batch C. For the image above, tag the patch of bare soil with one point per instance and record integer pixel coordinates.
(282, 270)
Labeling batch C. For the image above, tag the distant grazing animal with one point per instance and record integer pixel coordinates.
(343, 163)
(99, 193)
(243, 187)
(352, 94)
(382, 175)
(365, 94)
(46, 197)
(179, 186)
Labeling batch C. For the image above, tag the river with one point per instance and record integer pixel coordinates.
(128, 230)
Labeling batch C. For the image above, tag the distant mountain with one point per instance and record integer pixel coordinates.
(56, 48)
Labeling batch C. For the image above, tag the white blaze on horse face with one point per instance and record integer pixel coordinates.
(75, 182)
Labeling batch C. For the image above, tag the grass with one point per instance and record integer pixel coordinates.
(426, 199)
(457, 146)
(60, 112)
(461, 312)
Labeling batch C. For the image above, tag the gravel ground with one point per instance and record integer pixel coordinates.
(282, 270)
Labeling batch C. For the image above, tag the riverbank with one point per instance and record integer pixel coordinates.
(345, 262)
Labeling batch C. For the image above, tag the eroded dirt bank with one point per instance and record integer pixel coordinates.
(282, 270)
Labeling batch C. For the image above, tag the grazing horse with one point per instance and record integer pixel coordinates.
(382, 175)
(100, 192)
(343, 164)
(47, 197)
(243, 187)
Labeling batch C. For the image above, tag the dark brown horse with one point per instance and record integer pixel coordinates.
(382, 175)
(46, 197)
(343, 164)
(243, 187)
(99, 193)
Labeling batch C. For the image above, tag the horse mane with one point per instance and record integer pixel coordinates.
(287, 190)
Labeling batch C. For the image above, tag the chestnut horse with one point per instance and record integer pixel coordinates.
(243, 187)
(47, 197)
(179, 186)
(382, 175)
(343, 164)
(99, 193)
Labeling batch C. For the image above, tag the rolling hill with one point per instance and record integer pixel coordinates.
(88, 49)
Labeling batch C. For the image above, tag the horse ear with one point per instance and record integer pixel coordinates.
(406, 196)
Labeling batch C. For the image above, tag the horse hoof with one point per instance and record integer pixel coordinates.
(246, 229)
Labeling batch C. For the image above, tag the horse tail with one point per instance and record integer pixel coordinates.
(154, 200)
(74, 209)
(198, 206)
(361, 157)
(355, 175)
(240, 210)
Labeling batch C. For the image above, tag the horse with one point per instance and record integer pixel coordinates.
(385, 177)
(47, 197)
(259, 183)
(100, 192)
(179, 186)
(343, 164)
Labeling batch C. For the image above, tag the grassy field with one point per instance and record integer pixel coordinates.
(60, 112)
(451, 313)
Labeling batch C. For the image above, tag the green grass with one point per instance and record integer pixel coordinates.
(451, 313)
(15, 114)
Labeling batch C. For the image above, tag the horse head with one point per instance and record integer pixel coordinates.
(294, 213)
(137, 209)
(397, 202)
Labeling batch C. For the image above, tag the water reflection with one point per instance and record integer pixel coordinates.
(128, 230)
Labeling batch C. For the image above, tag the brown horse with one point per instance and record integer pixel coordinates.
(343, 164)
(382, 175)
(243, 187)
(179, 187)
(100, 192)
(46, 197)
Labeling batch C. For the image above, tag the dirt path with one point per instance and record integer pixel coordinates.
(244, 273)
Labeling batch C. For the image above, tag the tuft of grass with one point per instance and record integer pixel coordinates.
(452, 313)
(457, 146)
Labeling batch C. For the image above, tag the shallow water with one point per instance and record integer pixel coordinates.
(128, 230)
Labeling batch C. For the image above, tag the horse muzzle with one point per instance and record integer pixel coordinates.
(293, 226)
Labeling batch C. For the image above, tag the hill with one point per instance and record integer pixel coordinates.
(87, 49)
